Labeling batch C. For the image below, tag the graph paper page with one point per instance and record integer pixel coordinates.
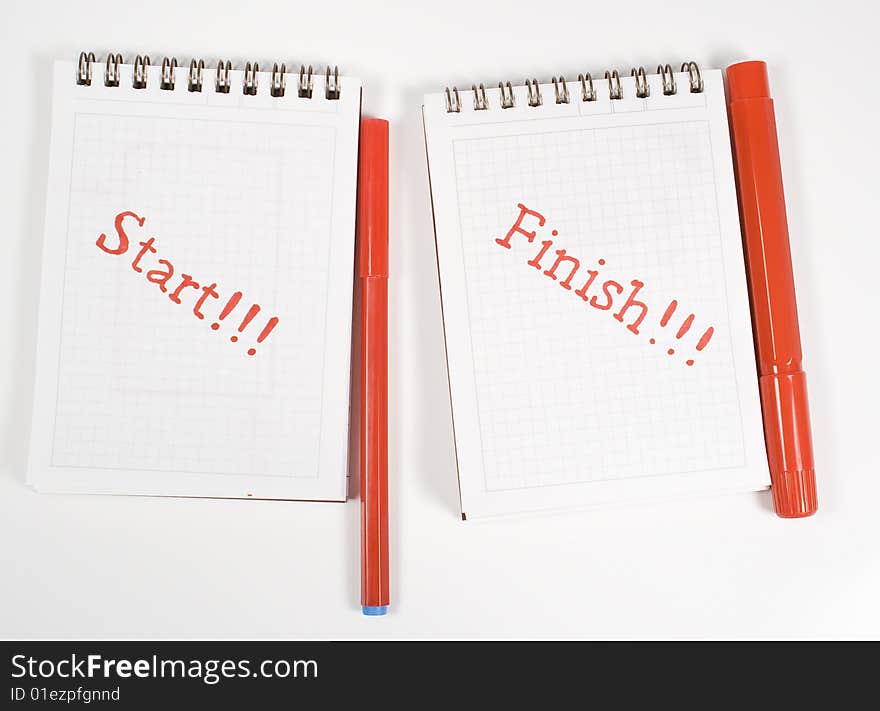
(195, 314)
(594, 297)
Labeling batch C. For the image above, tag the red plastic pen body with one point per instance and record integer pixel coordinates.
(373, 274)
(782, 381)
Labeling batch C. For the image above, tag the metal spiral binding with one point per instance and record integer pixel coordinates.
(195, 75)
(453, 101)
(305, 82)
(222, 82)
(667, 76)
(507, 100)
(586, 80)
(140, 72)
(588, 89)
(534, 92)
(694, 74)
(278, 81)
(563, 97)
(331, 89)
(168, 74)
(642, 88)
(481, 103)
(250, 79)
(615, 91)
(111, 71)
(84, 69)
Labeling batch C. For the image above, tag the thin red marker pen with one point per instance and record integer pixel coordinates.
(373, 271)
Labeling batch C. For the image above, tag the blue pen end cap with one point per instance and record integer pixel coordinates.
(375, 610)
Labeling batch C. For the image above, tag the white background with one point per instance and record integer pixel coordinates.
(90, 566)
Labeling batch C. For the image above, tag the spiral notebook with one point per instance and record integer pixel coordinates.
(594, 295)
(195, 310)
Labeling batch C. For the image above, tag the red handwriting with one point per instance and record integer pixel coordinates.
(601, 294)
(202, 297)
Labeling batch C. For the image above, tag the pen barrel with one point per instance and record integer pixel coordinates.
(374, 442)
(782, 382)
(765, 228)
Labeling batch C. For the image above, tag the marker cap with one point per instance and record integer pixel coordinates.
(789, 444)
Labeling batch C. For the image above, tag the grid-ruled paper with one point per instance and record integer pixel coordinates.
(253, 195)
(555, 402)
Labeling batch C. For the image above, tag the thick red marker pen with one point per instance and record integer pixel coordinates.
(372, 225)
(782, 381)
